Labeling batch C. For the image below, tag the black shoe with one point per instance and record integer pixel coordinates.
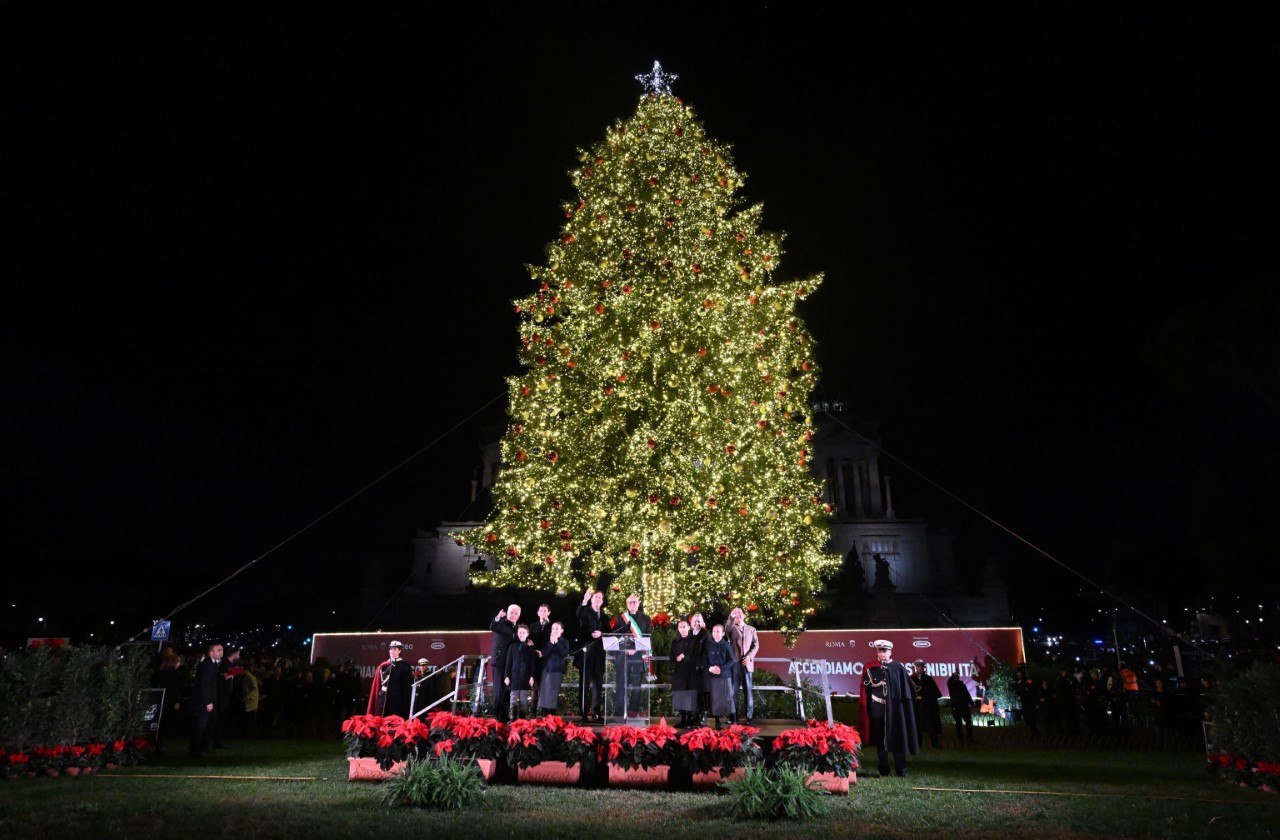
(902, 774)
(884, 773)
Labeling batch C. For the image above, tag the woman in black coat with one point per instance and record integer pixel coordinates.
(698, 633)
(720, 663)
(555, 653)
(686, 682)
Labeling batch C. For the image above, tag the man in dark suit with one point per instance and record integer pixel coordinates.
(503, 628)
(202, 707)
(592, 624)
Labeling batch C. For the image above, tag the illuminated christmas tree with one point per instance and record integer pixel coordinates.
(660, 434)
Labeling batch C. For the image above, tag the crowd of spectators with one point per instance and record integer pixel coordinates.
(265, 696)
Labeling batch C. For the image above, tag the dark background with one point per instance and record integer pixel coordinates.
(259, 257)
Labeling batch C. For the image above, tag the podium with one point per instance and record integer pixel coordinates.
(626, 680)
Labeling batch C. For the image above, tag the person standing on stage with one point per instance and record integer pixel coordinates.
(746, 644)
(539, 634)
(685, 675)
(721, 661)
(555, 653)
(518, 674)
(887, 710)
(634, 623)
(503, 628)
(698, 632)
(592, 624)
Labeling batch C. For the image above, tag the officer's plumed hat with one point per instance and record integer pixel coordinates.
(882, 644)
(396, 644)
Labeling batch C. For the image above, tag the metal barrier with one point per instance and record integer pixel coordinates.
(469, 686)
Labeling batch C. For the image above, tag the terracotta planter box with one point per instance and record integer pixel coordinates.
(367, 770)
(488, 767)
(833, 783)
(550, 773)
(710, 780)
(651, 777)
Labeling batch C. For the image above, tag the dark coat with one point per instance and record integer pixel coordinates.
(555, 655)
(397, 676)
(204, 688)
(719, 653)
(589, 621)
(504, 633)
(686, 675)
(960, 697)
(519, 666)
(699, 644)
(540, 633)
(887, 710)
(927, 696)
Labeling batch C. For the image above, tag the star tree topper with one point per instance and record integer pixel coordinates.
(656, 82)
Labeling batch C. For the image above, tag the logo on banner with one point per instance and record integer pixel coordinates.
(437, 645)
(922, 643)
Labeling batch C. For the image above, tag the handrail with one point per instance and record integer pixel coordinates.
(799, 689)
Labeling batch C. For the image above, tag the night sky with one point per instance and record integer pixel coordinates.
(258, 257)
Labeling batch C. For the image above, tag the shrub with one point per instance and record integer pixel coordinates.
(782, 793)
(445, 784)
(1244, 740)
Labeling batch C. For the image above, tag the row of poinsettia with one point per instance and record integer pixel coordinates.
(817, 748)
(70, 758)
(1261, 774)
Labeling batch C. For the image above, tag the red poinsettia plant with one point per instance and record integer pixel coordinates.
(820, 747)
(705, 749)
(388, 739)
(531, 741)
(1262, 774)
(632, 747)
(466, 736)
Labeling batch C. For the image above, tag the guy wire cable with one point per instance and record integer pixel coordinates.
(322, 516)
(1020, 538)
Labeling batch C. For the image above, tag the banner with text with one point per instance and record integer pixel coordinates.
(839, 654)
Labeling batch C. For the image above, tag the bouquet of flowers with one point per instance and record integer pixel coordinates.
(704, 749)
(819, 748)
(531, 741)
(630, 747)
(466, 736)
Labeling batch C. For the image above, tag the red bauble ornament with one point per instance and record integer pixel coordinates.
(675, 501)
(490, 538)
(722, 549)
(520, 456)
(544, 524)
(553, 456)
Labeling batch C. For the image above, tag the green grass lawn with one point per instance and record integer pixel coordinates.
(1000, 788)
